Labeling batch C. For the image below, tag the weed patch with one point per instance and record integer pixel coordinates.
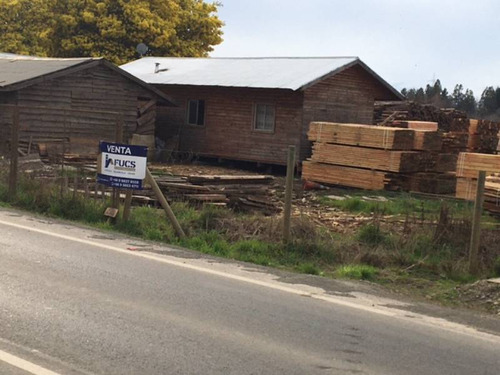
(357, 272)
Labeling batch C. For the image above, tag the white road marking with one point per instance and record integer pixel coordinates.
(380, 310)
(24, 365)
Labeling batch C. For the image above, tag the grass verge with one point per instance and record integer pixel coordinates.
(428, 260)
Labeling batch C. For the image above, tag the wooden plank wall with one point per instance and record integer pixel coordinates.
(5, 120)
(96, 89)
(347, 97)
(228, 131)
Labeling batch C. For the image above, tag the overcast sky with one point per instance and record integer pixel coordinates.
(408, 42)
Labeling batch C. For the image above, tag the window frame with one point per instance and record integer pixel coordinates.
(255, 114)
(188, 112)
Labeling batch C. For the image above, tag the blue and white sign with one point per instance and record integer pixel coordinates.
(122, 166)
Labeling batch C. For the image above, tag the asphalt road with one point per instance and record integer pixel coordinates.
(75, 301)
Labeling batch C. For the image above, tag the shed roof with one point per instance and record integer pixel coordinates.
(19, 71)
(292, 73)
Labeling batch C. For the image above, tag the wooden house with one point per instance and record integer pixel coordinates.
(74, 102)
(253, 108)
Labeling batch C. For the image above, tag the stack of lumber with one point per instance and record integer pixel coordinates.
(245, 192)
(435, 183)
(446, 162)
(371, 158)
(467, 187)
(428, 140)
(468, 167)
(346, 176)
(483, 136)
(394, 113)
(419, 125)
(376, 157)
(469, 164)
(455, 142)
(362, 135)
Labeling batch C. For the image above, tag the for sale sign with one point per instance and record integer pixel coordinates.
(122, 166)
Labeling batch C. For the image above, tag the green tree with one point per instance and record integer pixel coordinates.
(109, 28)
(488, 104)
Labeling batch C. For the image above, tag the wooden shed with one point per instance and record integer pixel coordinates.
(253, 108)
(74, 101)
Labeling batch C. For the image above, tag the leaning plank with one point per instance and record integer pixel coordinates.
(362, 135)
(362, 157)
(343, 176)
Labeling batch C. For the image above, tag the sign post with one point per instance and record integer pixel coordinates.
(125, 167)
(122, 166)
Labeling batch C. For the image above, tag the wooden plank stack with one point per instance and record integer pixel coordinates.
(371, 158)
(483, 136)
(469, 164)
(377, 157)
(399, 112)
(362, 135)
(427, 140)
(468, 167)
(467, 187)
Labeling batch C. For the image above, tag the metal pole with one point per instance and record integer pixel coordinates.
(164, 204)
(290, 171)
(14, 145)
(476, 225)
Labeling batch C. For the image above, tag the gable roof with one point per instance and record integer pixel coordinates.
(19, 71)
(292, 73)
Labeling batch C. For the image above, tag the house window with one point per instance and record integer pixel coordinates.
(264, 117)
(196, 112)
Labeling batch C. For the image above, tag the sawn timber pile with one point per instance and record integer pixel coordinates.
(460, 134)
(377, 158)
(468, 167)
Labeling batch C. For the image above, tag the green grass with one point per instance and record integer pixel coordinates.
(422, 259)
(357, 272)
(396, 204)
(372, 235)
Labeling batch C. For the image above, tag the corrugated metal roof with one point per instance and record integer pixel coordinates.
(277, 72)
(15, 69)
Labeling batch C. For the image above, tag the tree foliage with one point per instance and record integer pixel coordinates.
(109, 28)
(461, 98)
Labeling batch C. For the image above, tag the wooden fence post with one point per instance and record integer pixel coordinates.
(164, 204)
(14, 145)
(476, 225)
(118, 139)
(290, 171)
